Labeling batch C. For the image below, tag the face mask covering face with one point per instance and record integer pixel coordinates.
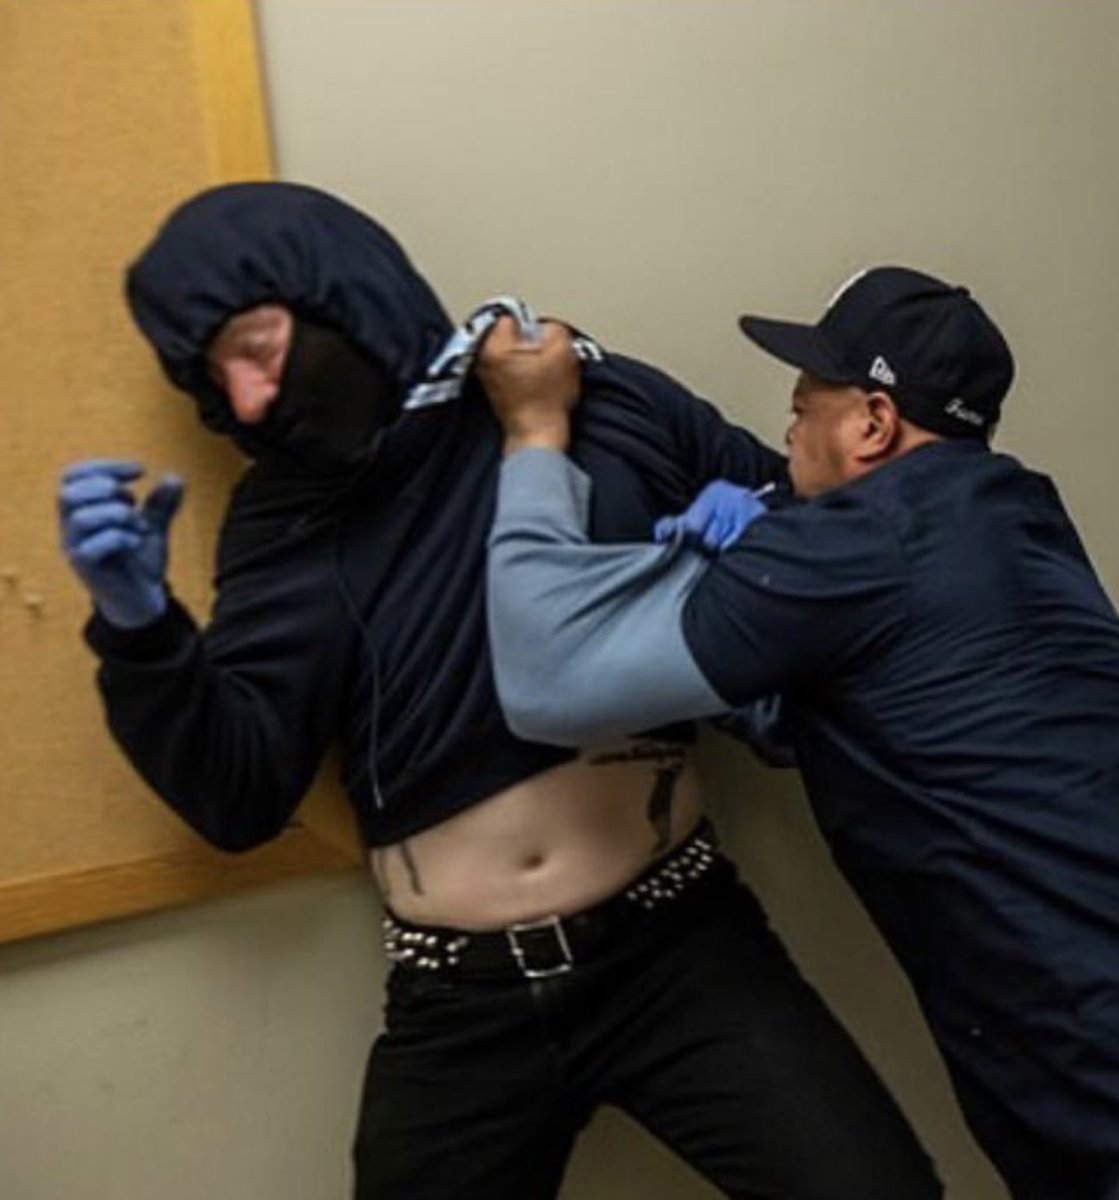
(333, 401)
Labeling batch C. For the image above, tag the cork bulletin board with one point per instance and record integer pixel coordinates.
(111, 113)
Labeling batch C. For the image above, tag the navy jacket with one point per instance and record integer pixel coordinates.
(355, 607)
(951, 664)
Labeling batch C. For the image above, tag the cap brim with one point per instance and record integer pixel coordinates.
(801, 346)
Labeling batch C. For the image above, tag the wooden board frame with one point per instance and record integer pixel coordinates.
(223, 52)
(57, 901)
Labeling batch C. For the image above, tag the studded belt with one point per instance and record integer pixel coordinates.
(554, 945)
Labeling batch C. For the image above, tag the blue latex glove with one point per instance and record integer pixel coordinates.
(716, 518)
(118, 548)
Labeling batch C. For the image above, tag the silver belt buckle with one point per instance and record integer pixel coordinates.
(521, 953)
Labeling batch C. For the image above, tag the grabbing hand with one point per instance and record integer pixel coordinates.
(715, 519)
(532, 385)
(118, 548)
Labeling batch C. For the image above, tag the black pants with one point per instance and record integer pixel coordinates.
(697, 1025)
(1074, 1159)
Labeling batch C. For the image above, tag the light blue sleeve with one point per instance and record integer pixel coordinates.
(586, 639)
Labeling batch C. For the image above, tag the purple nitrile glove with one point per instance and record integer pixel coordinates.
(118, 548)
(716, 518)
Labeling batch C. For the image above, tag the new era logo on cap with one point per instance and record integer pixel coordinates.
(881, 370)
(942, 359)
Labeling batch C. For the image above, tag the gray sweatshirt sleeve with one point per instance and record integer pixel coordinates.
(586, 639)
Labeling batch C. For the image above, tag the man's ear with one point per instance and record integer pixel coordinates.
(882, 426)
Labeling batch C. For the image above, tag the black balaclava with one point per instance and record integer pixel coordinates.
(334, 402)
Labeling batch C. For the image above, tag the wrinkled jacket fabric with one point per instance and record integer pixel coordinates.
(951, 666)
(355, 606)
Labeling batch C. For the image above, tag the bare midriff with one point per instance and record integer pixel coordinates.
(553, 844)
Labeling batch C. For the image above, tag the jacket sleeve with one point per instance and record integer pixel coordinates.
(228, 724)
(762, 725)
(702, 445)
(702, 442)
(590, 642)
(586, 640)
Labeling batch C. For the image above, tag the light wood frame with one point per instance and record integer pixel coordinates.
(111, 111)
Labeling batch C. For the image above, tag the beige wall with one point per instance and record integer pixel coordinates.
(649, 169)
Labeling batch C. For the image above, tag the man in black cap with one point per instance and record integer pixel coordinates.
(949, 665)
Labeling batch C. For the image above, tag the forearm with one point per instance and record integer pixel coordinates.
(211, 741)
(586, 639)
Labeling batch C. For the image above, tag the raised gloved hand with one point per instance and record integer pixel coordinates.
(716, 518)
(118, 548)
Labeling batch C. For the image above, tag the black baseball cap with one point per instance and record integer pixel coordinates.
(926, 343)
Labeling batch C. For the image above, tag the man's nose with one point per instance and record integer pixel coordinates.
(250, 391)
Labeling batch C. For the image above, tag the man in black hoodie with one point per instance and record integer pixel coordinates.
(563, 930)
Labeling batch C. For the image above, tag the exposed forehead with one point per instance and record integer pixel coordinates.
(818, 396)
(810, 387)
(809, 383)
(262, 320)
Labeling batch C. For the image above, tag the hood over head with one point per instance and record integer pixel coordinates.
(238, 245)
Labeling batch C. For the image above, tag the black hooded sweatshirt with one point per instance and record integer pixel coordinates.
(354, 606)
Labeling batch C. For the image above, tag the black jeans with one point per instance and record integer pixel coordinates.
(697, 1025)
